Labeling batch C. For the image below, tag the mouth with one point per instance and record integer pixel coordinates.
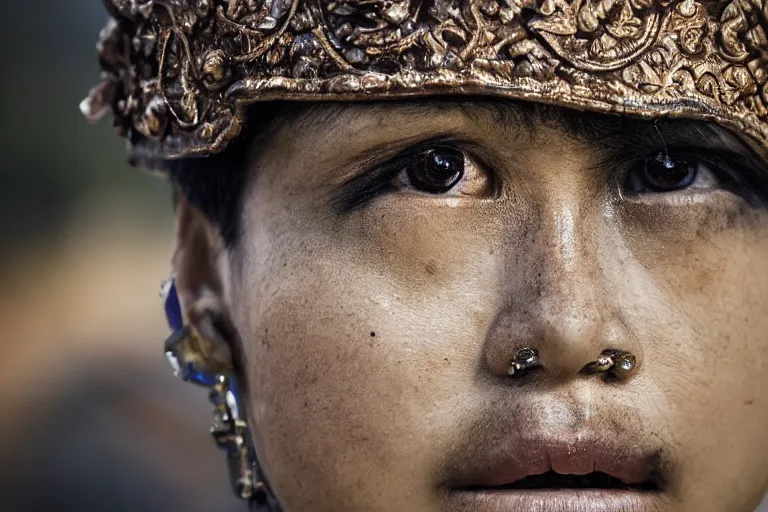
(547, 469)
(593, 460)
(555, 492)
(553, 481)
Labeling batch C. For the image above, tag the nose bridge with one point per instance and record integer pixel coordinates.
(566, 257)
(561, 242)
(568, 313)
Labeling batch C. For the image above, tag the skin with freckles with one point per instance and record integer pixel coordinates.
(377, 317)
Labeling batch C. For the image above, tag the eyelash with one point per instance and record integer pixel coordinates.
(735, 172)
(746, 177)
(382, 179)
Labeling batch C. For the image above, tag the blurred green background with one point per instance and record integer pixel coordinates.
(90, 417)
(53, 161)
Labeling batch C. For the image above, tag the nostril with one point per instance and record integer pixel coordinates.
(525, 360)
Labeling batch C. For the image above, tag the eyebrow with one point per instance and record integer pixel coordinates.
(609, 130)
(619, 138)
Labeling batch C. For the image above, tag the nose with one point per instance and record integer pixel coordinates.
(567, 320)
(558, 300)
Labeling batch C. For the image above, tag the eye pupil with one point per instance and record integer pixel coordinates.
(663, 173)
(437, 171)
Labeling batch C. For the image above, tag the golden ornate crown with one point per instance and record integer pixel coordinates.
(178, 74)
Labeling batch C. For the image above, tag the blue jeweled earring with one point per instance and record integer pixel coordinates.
(229, 430)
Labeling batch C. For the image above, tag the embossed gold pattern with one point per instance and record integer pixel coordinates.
(178, 74)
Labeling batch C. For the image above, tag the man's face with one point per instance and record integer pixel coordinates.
(394, 258)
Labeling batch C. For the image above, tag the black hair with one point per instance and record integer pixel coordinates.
(216, 183)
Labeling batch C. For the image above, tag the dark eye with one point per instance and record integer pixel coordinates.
(444, 171)
(436, 171)
(663, 172)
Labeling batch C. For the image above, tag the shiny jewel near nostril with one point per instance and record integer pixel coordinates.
(618, 363)
(625, 363)
(525, 359)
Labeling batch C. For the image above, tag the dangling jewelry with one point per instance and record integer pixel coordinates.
(229, 430)
(231, 434)
(618, 363)
(525, 359)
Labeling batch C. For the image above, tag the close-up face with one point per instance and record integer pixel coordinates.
(392, 259)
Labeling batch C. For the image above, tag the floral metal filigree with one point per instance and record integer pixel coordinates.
(178, 74)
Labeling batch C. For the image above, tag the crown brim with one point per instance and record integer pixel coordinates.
(180, 90)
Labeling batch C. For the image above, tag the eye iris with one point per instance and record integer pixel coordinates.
(437, 171)
(664, 173)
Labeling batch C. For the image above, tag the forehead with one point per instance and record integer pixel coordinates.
(521, 121)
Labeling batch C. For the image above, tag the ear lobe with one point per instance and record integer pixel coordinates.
(199, 262)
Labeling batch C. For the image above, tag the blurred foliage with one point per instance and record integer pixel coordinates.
(87, 403)
(53, 161)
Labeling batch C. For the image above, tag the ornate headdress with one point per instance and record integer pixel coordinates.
(178, 74)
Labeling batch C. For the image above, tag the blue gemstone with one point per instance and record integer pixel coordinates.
(173, 309)
(201, 378)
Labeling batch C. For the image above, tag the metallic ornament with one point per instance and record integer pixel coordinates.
(618, 363)
(179, 74)
(229, 430)
(231, 435)
(525, 359)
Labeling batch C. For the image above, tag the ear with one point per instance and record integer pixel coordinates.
(200, 264)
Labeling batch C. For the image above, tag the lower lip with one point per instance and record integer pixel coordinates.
(558, 500)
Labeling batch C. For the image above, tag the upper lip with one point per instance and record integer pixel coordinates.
(529, 445)
(590, 453)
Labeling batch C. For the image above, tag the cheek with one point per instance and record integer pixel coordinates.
(707, 332)
(363, 339)
(707, 260)
(360, 344)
